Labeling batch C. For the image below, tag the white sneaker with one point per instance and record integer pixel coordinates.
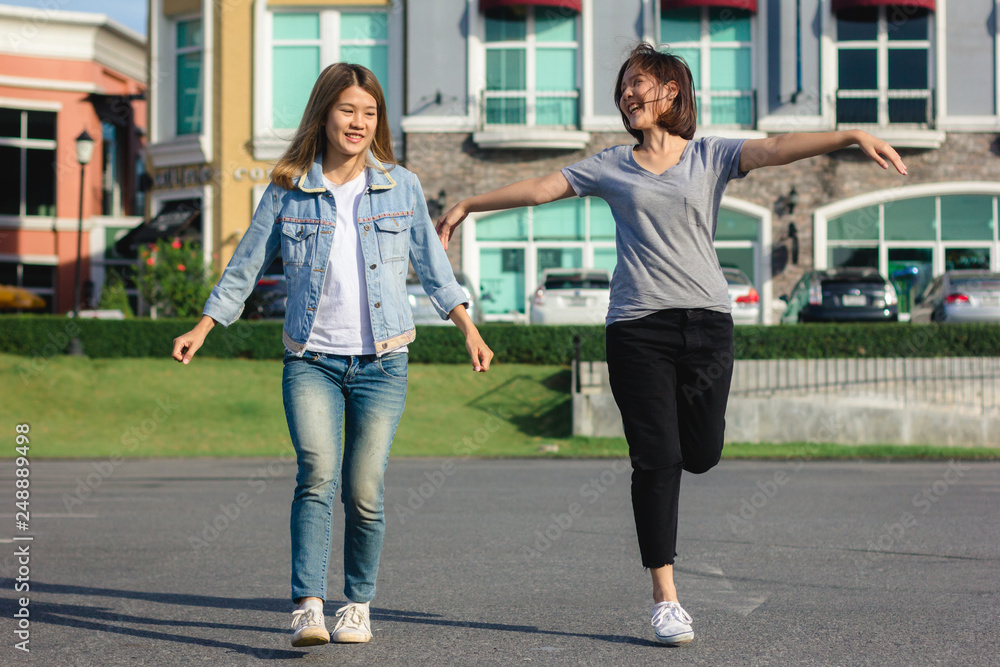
(672, 624)
(309, 626)
(353, 626)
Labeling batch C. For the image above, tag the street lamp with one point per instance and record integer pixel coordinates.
(84, 151)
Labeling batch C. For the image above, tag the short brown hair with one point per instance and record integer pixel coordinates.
(682, 116)
(310, 139)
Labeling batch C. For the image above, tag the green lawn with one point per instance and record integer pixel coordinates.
(78, 407)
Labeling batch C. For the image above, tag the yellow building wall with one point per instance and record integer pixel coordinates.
(233, 162)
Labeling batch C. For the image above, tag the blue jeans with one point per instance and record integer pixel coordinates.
(323, 395)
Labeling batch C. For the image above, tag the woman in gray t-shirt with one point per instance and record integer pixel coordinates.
(669, 332)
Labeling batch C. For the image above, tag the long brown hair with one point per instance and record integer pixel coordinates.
(310, 138)
(682, 116)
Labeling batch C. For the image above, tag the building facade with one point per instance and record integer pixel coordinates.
(485, 92)
(62, 73)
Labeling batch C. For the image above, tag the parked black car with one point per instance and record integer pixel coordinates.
(842, 295)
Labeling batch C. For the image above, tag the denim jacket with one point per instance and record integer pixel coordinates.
(393, 225)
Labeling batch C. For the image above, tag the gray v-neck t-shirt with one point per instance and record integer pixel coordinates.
(665, 225)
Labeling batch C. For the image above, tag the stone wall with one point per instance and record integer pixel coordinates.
(452, 162)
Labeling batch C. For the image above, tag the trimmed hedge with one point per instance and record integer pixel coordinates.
(49, 335)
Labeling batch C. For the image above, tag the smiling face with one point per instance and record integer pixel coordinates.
(351, 122)
(643, 99)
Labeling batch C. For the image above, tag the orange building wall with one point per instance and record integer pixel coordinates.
(76, 115)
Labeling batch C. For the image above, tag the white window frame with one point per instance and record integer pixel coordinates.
(23, 143)
(882, 45)
(705, 46)
(531, 45)
(270, 142)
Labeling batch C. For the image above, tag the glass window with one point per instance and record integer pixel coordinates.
(858, 25)
(10, 188)
(858, 69)
(715, 43)
(728, 25)
(295, 71)
(558, 258)
(190, 45)
(895, 38)
(853, 257)
(858, 225)
(605, 258)
(10, 123)
(505, 226)
(364, 40)
(911, 219)
(501, 282)
(560, 220)
(680, 25)
(907, 23)
(967, 218)
(738, 258)
(506, 25)
(531, 67)
(28, 154)
(40, 177)
(42, 125)
(907, 68)
(602, 222)
(300, 49)
(736, 226)
(967, 258)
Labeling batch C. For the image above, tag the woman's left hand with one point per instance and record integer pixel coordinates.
(479, 352)
(875, 148)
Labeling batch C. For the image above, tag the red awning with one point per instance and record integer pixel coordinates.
(573, 5)
(732, 4)
(841, 5)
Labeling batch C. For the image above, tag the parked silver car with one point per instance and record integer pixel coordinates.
(424, 312)
(572, 296)
(960, 296)
(743, 297)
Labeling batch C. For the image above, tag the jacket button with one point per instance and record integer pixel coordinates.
(385, 345)
(378, 304)
(367, 227)
(373, 267)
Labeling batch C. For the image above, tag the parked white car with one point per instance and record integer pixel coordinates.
(572, 296)
(743, 297)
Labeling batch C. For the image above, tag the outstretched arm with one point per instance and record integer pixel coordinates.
(787, 148)
(532, 192)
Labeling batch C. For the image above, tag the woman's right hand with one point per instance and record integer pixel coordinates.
(187, 344)
(447, 223)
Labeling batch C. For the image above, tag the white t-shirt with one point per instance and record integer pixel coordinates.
(343, 322)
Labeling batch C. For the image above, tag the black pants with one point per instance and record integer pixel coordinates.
(670, 374)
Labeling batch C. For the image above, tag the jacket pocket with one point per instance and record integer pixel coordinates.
(393, 235)
(298, 241)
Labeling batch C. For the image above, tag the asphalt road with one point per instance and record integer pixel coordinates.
(513, 562)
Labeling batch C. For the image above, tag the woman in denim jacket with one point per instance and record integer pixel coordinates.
(345, 224)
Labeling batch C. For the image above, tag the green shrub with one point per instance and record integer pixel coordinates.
(46, 335)
(113, 295)
(174, 278)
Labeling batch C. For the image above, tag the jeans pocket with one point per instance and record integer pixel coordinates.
(394, 365)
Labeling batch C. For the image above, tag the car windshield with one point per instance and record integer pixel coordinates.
(577, 282)
(854, 278)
